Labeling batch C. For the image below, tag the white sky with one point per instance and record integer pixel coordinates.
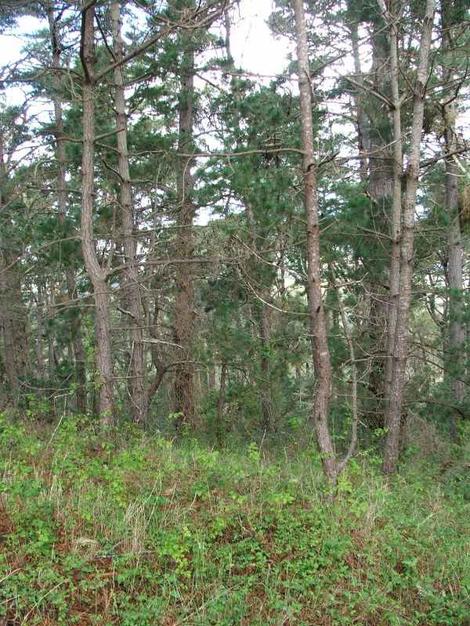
(253, 46)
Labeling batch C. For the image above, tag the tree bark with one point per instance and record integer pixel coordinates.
(184, 302)
(454, 354)
(75, 326)
(132, 290)
(318, 331)
(13, 315)
(97, 275)
(390, 20)
(13, 323)
(400, 348)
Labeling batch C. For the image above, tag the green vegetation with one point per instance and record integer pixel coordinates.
(128, 528)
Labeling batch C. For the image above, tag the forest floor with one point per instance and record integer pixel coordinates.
(133, 530)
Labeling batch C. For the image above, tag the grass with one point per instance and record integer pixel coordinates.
(129, 529)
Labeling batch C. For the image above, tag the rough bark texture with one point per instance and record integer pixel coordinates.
(394, 408)
(184, 302)
(390, 19)
(75, 326)
(137, 386)
(318, 330)
(97, 275)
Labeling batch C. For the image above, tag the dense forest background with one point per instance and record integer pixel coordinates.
(234, 315)
(158, 263)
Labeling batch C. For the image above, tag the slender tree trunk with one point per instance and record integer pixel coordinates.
(454, 362)
(265, 391)
(320, 350)
(221, 404)
(361, 117)
(455, 348)
(75, 327)
(375, 134)
(39, 334)
(395, 225)
(132, 289)
(13, 314)
(394, 408)
(95, 272)
(13, 322)
(260, 311)
(184, 303)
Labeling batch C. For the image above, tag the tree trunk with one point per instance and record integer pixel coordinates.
(220, 431)
(400, 349)
(455, 348)
(362, 123)
(265, 391)
(13, 314)
(132, 289)
(395, 226)
(75, 327)
(95, 272)
(320, 350)
(375, 134)
(13, 322)
(184, 302)
(260, 311)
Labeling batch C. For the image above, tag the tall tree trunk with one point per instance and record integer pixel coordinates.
(375, 134)
(454, 357)
(260, 311)
(95, 272)
(13, 314)
(75, 326)
(132, 289)
(318, 331)
(391, 20)
(362, 123)
(184, 302)
(395, 403)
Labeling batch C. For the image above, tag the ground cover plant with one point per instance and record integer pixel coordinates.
(133, 529)
(234, 312)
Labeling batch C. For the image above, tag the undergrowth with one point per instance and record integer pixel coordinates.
(129, 529)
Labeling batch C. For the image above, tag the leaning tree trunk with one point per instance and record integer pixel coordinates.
(75, 326)
(318, 330)
(400, 348)
(454, 356)
(95, 272)
(138, 392)
(184, 302)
